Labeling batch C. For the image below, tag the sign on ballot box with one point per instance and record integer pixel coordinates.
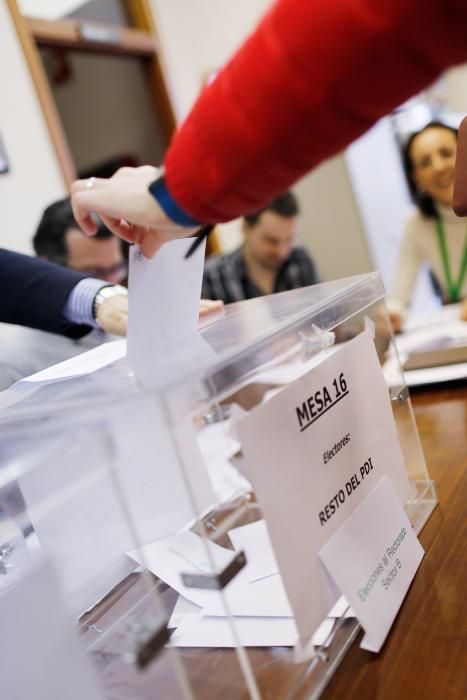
(373, 558)
(314, 452)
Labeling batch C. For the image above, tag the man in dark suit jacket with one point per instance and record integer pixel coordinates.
(40, 294)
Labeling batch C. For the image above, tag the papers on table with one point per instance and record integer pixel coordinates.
(188, 553)
(77, 366)
(420, 332)
(260, 610)
(196, 630)
(254, 540)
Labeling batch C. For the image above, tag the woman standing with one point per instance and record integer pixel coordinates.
(433, 234)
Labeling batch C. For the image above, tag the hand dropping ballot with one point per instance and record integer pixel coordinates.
(314, 452)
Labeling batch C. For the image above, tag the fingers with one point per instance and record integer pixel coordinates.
(464, 310)
(396, 321)
(122, 229)
(83, 216)
(126, 207)
(150, 244)
(81, 197)
(207, 306)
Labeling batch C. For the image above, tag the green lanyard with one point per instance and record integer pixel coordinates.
(454, 288)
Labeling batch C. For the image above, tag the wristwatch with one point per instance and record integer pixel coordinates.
(167, 203)
(110, 290)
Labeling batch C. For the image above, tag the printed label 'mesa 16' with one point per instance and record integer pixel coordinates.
(321, 401)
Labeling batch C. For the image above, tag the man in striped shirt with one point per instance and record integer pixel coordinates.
(267, 262)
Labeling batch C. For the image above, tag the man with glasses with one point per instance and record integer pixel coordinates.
(24, 351)
(60, 240)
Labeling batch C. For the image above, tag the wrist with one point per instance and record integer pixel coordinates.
(159, 190)
(104, 293)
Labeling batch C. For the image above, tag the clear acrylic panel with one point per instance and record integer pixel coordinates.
(160, 473)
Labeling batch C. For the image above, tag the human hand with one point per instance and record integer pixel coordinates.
(127, 208)
(207, 306)
(396, 321)
(464, 310)
(112, 314)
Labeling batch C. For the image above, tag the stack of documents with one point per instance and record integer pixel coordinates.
(441, 331)
(252, 610)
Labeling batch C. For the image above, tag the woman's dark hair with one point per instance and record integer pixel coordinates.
(424, 201)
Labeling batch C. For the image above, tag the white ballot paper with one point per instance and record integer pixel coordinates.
(313, 453)
(188, 553)
(40, 654)
(84, 363)
(373, 558)
(164, 295)
(217, 447)
(254, 540)
(196, 630)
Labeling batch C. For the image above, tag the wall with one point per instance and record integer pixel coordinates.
(456, 89)
(34, 179)
(106, 110)
(331, 225)
(197, 37)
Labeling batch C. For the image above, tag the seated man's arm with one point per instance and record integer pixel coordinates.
(39, 294)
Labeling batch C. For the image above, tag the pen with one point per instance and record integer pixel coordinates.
(204, 233)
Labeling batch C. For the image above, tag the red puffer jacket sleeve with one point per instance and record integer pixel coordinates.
(313, 76)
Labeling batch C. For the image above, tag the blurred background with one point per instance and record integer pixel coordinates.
(90, 86)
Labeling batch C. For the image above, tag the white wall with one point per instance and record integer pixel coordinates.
(330, 224)
(456, 89)
(199, 36)
(34, 179)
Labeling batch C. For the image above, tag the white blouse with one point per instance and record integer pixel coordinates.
(420, 245)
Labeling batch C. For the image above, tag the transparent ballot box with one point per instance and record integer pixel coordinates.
(152, 509)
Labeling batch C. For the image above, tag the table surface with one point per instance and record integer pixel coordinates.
(425, 655)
